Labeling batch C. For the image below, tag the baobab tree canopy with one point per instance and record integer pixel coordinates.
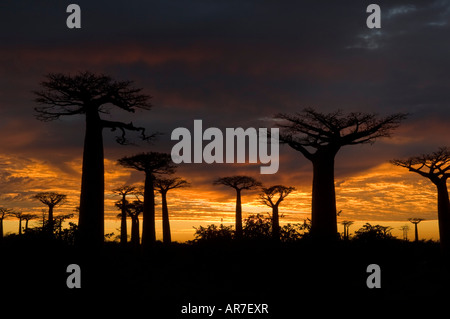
(315, 130)
(84, 93)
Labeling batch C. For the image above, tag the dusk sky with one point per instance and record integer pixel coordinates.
(231, 64)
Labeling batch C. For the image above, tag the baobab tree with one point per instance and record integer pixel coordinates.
(152, 164)
(132, 209)
(405, 229)
(435, 167)
(238, 183)
(124, 191)
(319, 137)
(51, 199)
(90, 95)
(20, 217)
(163, 185)
(4, 213)
(416, 221)
(272, 197)
(27, 218)
(346, 224)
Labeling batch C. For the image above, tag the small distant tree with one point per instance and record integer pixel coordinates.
(51, 199)
(58, 221)
(4, 213)
(405, 229)
(20, 217)
(124, 191)
(238, 183)
(346, 224)
(416, 221)
(272, 197)
(27, 218)
(152, 164)
(163, 185)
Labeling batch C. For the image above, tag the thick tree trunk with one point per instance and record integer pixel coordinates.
(275, 223)
(50, 220)
(238, 214)
(323, 210)
(135, 231)
(1, 228)
(416, 233)
(148, 223)
(123, 222)
(165, 219)
(444, 216)
(20, 226)
(91, 219)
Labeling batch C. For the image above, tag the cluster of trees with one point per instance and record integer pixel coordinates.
(317, 136)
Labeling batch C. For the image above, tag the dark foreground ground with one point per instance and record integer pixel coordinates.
(294, 280)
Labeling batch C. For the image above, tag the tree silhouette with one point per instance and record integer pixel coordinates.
(150, 163)
(124, 191)
(20, 217)
(51, 199)
(90, 95)
(405, 229)
(163, 185)
(239, 183)
(435, 167)
(133, 209)
(272, 197)
(346, 224)
(4, 213)
(416, 221)
(319, 137)
(27, 218)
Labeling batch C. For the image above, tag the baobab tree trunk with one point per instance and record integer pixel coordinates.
(275, 223)
(323, 210)
(91, 219)
(123, 222)
(135, 231)
(416, 233)
(50, 220)
(444, 216)
(148, 223)
(165, 219)
(238, 214)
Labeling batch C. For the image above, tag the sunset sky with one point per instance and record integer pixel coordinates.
(231, 64)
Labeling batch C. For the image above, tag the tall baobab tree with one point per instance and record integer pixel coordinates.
(416, 221)
(90, 95)
(51, 199)
(346, 224)
(150, 163)
(163, 185)
(124, 191)
(4, 213)
(435, 167)
(238, 183)
(272, 197)
(319, 137)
